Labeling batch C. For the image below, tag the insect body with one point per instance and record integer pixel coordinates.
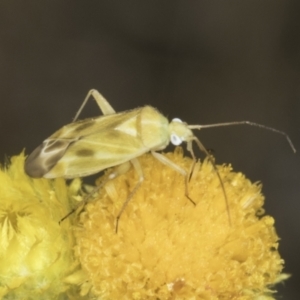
(89, 146)
(86, 147)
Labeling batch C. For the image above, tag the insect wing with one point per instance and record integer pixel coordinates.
(45, 156)
(88, 146)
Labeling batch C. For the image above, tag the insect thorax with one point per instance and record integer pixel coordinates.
(153, 127)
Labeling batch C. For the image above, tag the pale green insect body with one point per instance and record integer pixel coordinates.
(89, 146)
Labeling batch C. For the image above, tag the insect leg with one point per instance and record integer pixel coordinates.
(137, 166)
(211, 159)
(85, 200)
(168, 163)
(192, 167)
(118, 170)
(175, 167)
(103, 104)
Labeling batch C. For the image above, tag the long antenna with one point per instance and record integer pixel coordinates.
(246, 123)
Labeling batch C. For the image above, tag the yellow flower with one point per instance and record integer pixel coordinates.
(35, 251)
(167, 248)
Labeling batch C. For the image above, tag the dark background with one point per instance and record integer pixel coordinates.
(203, 61)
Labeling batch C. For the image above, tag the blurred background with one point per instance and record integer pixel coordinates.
(202, 61)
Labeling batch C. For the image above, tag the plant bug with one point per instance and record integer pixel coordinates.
(88, 146)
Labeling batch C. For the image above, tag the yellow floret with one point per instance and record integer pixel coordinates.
(35, 251)
(168, 248)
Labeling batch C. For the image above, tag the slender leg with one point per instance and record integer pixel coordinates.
(176, 168)
(103, 104)
(84, 201)
(118, 170)
(137, 166)
(168, 163)
(211, 159)
(106, 109)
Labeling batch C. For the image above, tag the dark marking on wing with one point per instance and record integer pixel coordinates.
(54, 145)
(85, 152)
(45, 157)
(86, 125)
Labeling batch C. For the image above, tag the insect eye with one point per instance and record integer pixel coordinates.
(175, 139)
(177, 120)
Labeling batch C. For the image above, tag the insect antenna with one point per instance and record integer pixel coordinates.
(211, 159)
(247, 123)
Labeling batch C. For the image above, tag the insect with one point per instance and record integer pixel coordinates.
(88, 146)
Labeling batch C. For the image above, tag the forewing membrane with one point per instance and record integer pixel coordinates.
(89, 146)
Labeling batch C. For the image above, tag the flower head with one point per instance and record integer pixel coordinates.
(168, 248)
(36, 251)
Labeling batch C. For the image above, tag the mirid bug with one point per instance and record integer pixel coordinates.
(88, 146)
